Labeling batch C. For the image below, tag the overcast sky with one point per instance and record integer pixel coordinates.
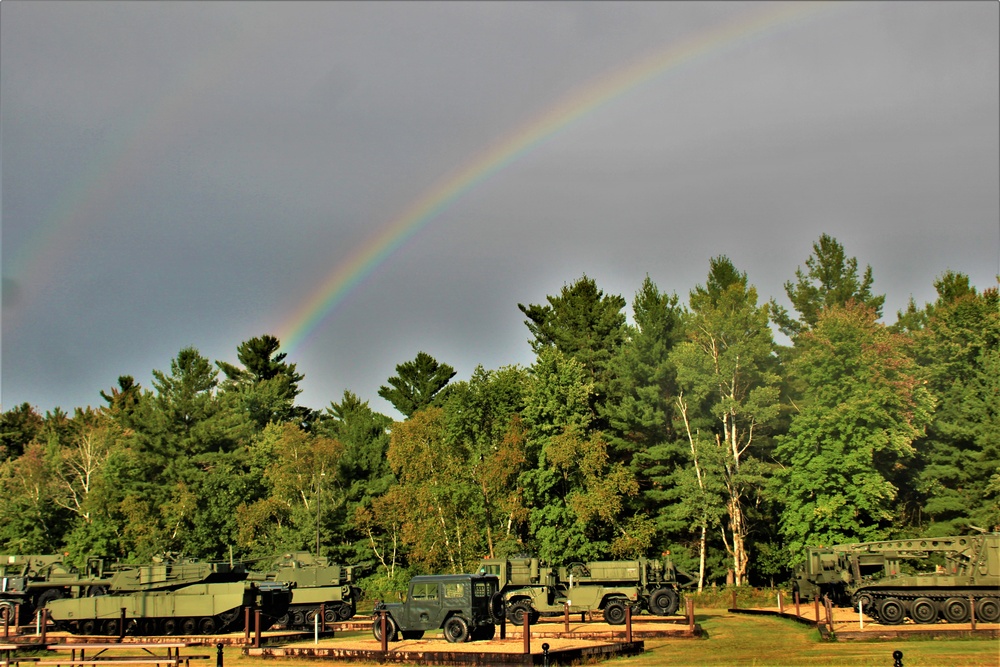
(183, 174)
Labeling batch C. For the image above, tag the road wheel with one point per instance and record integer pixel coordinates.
(110, 628)
(663, 602)
(345, 612)
(988, 610)
(170, 626)
(390, 629)
(298, 618)
(88, 627)
(923, 610)
(956, 610)
(207, 625)
(891, 612)
(283, 620)
(614, 612)
(189, 626)
(456, 630)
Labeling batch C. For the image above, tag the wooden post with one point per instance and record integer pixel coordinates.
(256, 628)
(628, 623)
(565, 616)
(689, 605)
(121, 625)
(385, 638)
(17, 617)
(246, 625)
(503, 626)
(816, 608)
(322, 615)
(44, 614)
(829, 614)
(781, 606)
(972, 612)
(6, 622)
(526, 630)
(797, 604)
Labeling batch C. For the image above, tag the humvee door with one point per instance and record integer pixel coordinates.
(423, 608)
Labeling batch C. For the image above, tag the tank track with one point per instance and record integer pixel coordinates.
(929, 605)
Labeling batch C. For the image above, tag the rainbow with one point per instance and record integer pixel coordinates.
(346, 276)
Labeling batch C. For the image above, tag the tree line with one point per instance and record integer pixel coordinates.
(688, 430)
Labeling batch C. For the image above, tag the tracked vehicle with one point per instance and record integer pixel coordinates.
(171, 598)
(871, 574)
(316, 583)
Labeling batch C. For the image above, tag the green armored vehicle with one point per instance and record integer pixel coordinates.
(466, 606)
(170, 598)
(532, 589)
(31, 581)
(315, 582)
(871, 574)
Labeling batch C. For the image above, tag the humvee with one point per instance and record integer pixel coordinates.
(466, 607)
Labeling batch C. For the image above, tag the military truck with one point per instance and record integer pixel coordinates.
(530, 588)
(31, 581)
(466, 607)
(871, 574)
(315, 582)
(169, 598)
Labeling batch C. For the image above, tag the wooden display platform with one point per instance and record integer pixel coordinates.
(439, 652)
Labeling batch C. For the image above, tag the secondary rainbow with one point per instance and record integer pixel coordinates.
(347, 275)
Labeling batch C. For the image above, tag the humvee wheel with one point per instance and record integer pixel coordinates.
(988, 610)
(891, 612)
(614, 612)
(456, 630)
(923, 610)
(663, 602)
(956, 610)
(390, 628)
(516, 612)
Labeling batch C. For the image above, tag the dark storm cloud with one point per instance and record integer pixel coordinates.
(201, 167)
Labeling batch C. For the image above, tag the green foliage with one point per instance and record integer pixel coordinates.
(419, 384)
(863, 408)
(831, 280)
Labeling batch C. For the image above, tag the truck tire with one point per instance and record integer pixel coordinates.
(614, 612)
(517, 611)
(47, 596)
(456, 630)
(390, 629)
(497, 607)
(663, 602)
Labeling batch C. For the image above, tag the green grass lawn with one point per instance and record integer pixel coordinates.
(737, 640)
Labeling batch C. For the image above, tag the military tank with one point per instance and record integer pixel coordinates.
(316, 583)
(172, 598)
